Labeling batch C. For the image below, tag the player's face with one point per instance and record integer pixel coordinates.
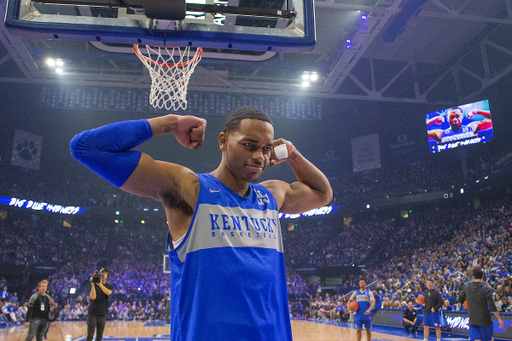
(362, 284)
(455, 119)
(247, 151)
(430, 285)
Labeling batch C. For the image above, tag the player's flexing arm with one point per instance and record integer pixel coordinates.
(435, 134)
(108, 152)
(484, 124)
(311, 190)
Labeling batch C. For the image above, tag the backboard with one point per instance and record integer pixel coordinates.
(291, 27)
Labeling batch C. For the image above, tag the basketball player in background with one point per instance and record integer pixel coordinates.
(363, 317)
(457, 131)
(431, 318)
(225, 246)
(480, 300)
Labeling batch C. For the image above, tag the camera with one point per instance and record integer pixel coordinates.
(96, 276)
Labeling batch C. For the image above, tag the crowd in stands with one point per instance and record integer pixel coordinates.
(443, 247)
(88, 190)
(12, 311)
(399, 253)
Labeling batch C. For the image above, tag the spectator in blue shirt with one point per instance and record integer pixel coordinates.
(14, 298)
(5, 294)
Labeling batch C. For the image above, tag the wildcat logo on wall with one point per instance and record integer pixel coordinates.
(26, 150)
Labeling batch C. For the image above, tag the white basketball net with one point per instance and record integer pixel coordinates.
(170, 69)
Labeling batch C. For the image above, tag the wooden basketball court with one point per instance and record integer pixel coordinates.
(66, 331)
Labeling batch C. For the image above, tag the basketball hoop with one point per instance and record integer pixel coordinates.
(170, 69)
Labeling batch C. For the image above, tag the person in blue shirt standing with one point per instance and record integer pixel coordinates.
(363, 317)
(433, 302)
(378, 300)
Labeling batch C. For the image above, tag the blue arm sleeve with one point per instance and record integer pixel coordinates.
(106, 150)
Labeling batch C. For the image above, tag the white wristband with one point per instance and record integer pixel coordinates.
(281, 151)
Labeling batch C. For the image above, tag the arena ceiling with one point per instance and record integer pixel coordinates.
(417, 51)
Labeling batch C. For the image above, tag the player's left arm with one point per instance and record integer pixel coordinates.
(492, 306)
(462, 296)
(484, 124)
(311, 190)
(439, 302)
(484, 113)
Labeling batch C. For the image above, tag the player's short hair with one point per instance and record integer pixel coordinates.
(44, 281)
(429, 280)
(232, 122)
(363, 279)
(455, 108)
(478, 273)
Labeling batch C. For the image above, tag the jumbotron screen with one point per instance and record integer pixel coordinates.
(459, 126)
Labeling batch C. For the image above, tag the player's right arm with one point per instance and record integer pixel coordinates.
(156, 179)
(352, 297)
(435, 120)
(108, 151)
(435, 134)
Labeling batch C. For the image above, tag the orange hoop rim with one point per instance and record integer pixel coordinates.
(198, 55)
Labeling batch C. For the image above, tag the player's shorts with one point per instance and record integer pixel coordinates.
(366, 323)
(484, 333)
(432, 320)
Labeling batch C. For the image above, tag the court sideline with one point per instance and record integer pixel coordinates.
(155, 331)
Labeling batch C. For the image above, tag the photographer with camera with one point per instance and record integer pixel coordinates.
(100, 291)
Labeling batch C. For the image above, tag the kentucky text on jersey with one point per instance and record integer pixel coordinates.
(452, 135)
(245, 222)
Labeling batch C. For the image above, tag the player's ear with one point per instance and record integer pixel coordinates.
(223, 141)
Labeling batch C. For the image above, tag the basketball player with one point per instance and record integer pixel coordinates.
(433, 302)
(228, 279)
(363, 317)
(479, 297)
(456, 130)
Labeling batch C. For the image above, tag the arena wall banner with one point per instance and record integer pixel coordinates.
(26, 150)
(41, 206)
(365, 152)
(457, 322)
